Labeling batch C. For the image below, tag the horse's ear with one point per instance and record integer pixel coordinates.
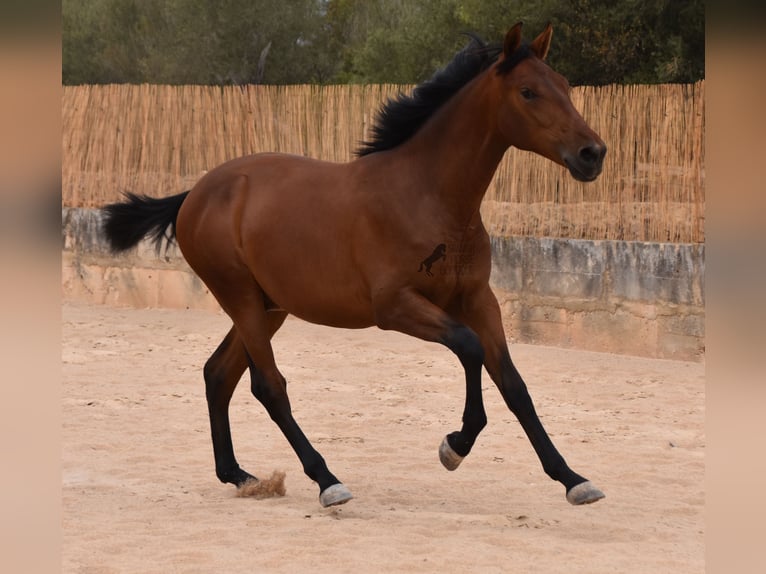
(512, 40)
(542, 43)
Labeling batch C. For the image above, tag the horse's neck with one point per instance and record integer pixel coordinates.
(459, 148)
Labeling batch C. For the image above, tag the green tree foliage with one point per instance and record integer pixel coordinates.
(394, 41)
(629, 41)
(398, 41)
(192, 41)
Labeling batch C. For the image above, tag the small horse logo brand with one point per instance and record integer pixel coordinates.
(440, 252)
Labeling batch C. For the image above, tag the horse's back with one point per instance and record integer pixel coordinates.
(255, 190)
(290, 221)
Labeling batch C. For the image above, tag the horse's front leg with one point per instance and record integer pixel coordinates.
(410, 313)
(481, 312)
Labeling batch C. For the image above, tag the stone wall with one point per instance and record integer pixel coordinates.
(141, 278)
(625, 297)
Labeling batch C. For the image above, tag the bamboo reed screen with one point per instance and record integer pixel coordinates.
(158, 140)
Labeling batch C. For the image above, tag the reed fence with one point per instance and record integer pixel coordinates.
(159, 140)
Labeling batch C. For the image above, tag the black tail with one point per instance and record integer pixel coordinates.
(128, 222)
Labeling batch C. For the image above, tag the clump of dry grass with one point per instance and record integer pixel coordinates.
(264, 488)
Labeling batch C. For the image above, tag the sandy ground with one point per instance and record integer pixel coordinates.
(140, 493)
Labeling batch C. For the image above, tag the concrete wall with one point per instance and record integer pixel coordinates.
(634, 298)
(141, 278)
(625, 297)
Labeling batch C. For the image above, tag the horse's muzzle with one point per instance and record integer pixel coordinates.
(588, 163)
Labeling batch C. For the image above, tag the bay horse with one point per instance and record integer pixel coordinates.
(344, 244)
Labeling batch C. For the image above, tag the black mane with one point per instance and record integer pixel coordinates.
(398, 119)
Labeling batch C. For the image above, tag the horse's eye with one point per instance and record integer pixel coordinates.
(527, 94)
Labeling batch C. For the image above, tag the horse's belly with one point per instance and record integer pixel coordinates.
(335, 316)
(315, 291)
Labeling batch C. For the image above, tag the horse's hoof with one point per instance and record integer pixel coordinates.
(450, 459)
(236, 476)
(584, 493)
(335, 495)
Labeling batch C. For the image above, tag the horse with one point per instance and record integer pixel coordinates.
(339, 244)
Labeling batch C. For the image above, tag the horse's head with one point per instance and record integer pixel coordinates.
(535, 112)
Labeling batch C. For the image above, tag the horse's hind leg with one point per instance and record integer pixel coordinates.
(270, 388)
(222, 373)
